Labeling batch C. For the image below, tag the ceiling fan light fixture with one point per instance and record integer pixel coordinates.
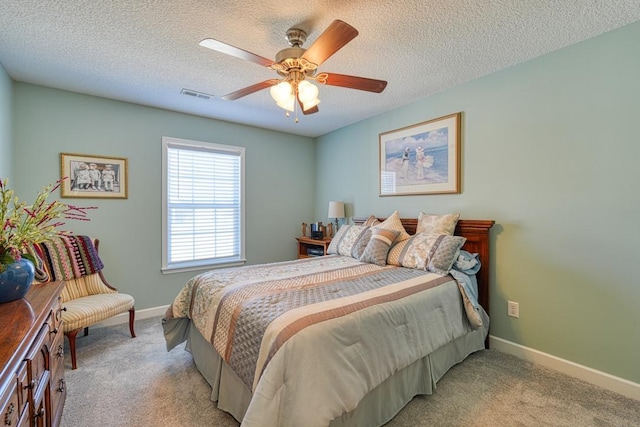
(281, 92)
(307, 91)
(287, 104)
(308, 94)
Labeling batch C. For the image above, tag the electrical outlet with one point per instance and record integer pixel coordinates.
(513, 309)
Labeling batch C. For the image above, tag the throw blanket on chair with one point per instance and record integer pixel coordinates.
(69, 257)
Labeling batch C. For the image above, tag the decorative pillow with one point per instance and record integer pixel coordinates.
(414, 252)
(446, 252)
(378, 246)
(371, 221)
(333, 246)
(359, 246)
(394, 254)
(433, 252)
(345, 238)
(394, 223)
(439, 224)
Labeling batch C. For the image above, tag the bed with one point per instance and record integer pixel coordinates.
(341, 343)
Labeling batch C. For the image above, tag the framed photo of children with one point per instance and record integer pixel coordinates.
(422, 158)
(97, 177)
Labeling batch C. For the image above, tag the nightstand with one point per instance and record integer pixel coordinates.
(306, 245)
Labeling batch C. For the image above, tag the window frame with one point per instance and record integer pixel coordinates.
(171, 142)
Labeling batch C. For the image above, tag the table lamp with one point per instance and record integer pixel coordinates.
(336, 210)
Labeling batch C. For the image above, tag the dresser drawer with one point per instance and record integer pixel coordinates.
(9, 403)
(54, 326)
(14, 408)
(32, 353)
(58, 395)
(38, 360)
(57, 311)
(58, 385)
(23, 387)
(56, 355)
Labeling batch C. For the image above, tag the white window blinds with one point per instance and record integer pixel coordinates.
(203, 209)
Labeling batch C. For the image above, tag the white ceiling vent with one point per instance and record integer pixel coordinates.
(195, 94)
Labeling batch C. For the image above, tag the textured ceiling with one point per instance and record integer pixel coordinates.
(146, 51)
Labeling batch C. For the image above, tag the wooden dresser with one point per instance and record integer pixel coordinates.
(32, 387)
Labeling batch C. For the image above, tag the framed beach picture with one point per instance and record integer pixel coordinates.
(421, 159)
(92, 176)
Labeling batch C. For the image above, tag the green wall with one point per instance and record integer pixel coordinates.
(6, 115)
(550, 152)
(48, 122)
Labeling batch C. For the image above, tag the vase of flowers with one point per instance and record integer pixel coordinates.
(23, 225)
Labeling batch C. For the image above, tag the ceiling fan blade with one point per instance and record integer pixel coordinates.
(351, 82)
(338, 34)
(235, 51)
(250, 89)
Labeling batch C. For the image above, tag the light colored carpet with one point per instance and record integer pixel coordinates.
(122, 381)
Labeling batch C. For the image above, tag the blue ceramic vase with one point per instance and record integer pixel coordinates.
(16, 280)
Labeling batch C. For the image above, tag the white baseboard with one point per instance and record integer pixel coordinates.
(584, 373)
(140, 314)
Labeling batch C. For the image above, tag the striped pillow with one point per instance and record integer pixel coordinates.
(446, 252)
(433, 252)
(345, 239)
(361, 244)
(378, 246)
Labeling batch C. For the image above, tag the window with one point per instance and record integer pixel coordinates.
(203, 205)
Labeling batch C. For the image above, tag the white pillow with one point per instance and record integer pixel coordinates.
(438, 224)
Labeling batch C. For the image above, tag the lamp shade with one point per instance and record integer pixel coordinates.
(336, 210)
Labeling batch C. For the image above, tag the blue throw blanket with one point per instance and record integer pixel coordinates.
(464, 271)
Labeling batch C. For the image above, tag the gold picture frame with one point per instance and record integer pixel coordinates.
(421, 159)
(91, 176)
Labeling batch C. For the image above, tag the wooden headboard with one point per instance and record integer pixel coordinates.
(477, 234)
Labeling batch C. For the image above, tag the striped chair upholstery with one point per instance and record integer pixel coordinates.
(88, 300)
(86, 311)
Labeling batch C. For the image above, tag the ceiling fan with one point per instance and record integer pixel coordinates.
(297, 66)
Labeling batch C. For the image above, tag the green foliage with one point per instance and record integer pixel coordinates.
(22, 225)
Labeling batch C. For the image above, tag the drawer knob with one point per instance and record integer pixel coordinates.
(40, 413)
(8, 416)
(60, 351)
(61, 385)
(54, 331)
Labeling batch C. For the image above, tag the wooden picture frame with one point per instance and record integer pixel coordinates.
(421, 159)
(90, 176)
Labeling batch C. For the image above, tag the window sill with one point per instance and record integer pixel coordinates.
(172, 270)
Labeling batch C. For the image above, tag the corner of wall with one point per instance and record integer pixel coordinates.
(6, 124)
